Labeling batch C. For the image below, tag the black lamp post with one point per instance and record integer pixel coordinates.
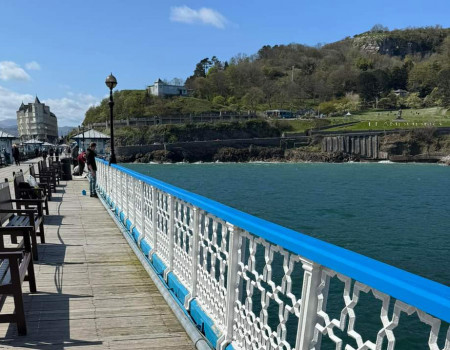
(81, 130)
(111, 83)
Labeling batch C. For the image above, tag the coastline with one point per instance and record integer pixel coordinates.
(315, 158)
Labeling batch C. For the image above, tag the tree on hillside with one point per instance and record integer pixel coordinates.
(399, 78)
(202, 67)
(422, 77)
(377, 28)
(253, 97)
(368, 86)
(177, 81)
(443, 84)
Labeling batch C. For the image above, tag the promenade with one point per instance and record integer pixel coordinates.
(93, 293)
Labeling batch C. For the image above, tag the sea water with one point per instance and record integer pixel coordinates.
(394, 213)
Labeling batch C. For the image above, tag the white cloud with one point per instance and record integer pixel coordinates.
(12, 71)
(69, 110)
(10, 102)
(204, 15)
(33, 65)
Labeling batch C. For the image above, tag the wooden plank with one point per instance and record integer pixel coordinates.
(92, 291)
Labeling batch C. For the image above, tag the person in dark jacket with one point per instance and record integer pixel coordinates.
(92, 168)
(16, 154)
(75, 151)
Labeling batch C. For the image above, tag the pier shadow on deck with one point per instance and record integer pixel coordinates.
(92, 291)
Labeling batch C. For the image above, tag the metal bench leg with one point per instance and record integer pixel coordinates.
(46, 207)
(19, 311)
(31, 277)
(34, 246)
(41, 231)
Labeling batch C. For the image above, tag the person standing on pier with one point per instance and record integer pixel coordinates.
(16, 154)
(92, 168)
(75, 155)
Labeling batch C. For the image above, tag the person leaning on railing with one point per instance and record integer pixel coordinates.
(92, 167)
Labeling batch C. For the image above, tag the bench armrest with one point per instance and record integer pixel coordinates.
(39, 189)
(11, 255)
(18, 211)
(28, 201)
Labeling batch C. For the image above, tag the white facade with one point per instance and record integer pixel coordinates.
(6, 141)
(162, 89)
(35, 121)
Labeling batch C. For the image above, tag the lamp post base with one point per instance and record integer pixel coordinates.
(112, 159)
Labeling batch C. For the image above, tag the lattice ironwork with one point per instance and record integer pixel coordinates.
(212, 266)
(266, 303)
(162, 226)
(183, 240)
(149, 233)
(328, 326)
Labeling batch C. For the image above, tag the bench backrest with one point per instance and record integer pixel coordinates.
(32, 172)
(42, 166)
(18, 178)
(5, 202)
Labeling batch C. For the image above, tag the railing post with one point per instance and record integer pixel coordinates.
(106, 182)
(127, 197)
(194, 257)
(232, 285)
(171, 235)
(142, 228)
(132, 214)
(308, 311)
(154, 220)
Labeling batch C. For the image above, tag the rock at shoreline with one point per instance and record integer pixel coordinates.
(445, 160)
(241, 155)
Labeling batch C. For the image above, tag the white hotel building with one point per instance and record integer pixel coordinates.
(35, 121)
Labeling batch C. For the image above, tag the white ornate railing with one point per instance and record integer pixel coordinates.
(251, 284)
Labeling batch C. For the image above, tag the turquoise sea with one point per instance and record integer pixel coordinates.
(395, 213)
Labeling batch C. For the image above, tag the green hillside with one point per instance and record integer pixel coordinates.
(355, 74)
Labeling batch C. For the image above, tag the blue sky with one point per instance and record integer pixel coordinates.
(63, 50)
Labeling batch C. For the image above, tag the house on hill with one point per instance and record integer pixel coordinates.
(401, 92)
(162, 89)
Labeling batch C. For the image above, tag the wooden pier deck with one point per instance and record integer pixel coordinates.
(92, 291)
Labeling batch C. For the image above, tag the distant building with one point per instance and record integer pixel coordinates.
(35, 121)
(5, 145)
(401, 92)
(85, 138)
(162, 89)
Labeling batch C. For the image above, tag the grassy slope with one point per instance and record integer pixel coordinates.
(383, 120)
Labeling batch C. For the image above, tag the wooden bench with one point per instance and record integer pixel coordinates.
(55, 165)
(14, 220)
(16, 265)
(44, 181)
(22, 192)
(54, 179)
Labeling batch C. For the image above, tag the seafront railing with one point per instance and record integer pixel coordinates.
(251, 284)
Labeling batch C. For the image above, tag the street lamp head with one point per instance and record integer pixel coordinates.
(111, 81)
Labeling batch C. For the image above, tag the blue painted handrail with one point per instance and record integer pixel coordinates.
(426, 295)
